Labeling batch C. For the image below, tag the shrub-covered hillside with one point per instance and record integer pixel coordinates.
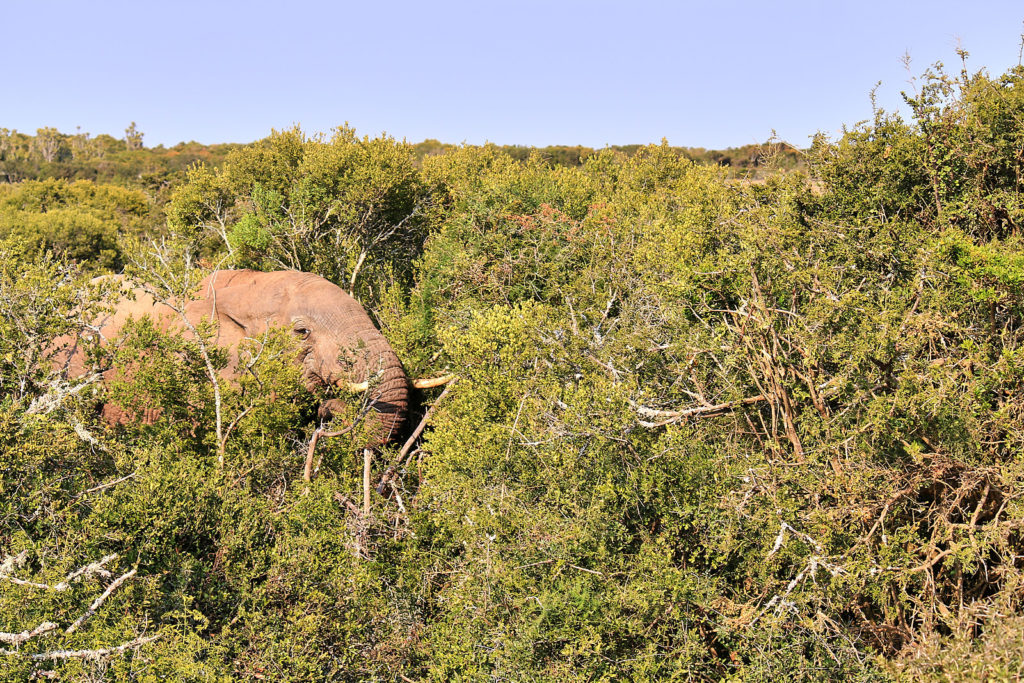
(703, 428)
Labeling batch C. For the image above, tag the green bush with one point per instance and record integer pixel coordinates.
(81, 221)
(352, 210)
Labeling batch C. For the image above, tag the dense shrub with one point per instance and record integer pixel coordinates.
(350, 209)
(81, 221)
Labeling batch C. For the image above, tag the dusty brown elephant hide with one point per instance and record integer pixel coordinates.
(340, 344)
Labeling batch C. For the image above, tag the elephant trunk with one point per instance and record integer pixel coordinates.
(388, 389)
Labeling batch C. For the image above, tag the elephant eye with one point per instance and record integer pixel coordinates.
(302, 332)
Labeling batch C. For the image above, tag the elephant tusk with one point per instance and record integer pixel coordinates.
(431, 382)
(354, 387)
(424, 383)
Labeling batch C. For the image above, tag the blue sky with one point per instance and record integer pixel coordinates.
(701, 74)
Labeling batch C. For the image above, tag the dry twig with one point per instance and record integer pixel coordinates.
(95, 654)
(99, 601)
(19, 638)
(700, 411)
(83, 572)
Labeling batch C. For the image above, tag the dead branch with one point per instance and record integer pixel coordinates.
(58, 392)
(408, 458)
(12, 561)
(700, 411)
(352, 507)
(881, 517)
(94, 568)
(83, 572)
(367, 461)
(780, 598)
(178, 306)
(355, 272)
(360, 522)
(234, 423)
(19, 638)
(931, 562)
(82, 433)
(99, 601)
(47, 626)
(606, 366)
(94, 489)
(981, 503)
(93, 654)
(406, 452)
(307, 472)
(423, 423)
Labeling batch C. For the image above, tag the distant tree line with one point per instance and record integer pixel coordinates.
(746, 159)
(50, 153)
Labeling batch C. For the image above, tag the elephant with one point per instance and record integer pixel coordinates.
(339, 344)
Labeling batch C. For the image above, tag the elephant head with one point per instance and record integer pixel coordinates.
(340, 345)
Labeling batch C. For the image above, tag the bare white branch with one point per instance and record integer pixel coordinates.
(94, 489)
(85, 435)
(19, 638)
(88, 570)
(94, 654)
(58, 392)
(677, 415)
(11, 562)
(96, 568)
(99, 601)
(30, 584)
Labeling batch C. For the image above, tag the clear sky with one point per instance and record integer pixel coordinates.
(701, 74)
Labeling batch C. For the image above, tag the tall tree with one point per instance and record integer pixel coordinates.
(132, 137)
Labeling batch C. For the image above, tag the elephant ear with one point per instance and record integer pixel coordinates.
(231, 306)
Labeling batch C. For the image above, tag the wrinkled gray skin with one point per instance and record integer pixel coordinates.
(340, 344)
